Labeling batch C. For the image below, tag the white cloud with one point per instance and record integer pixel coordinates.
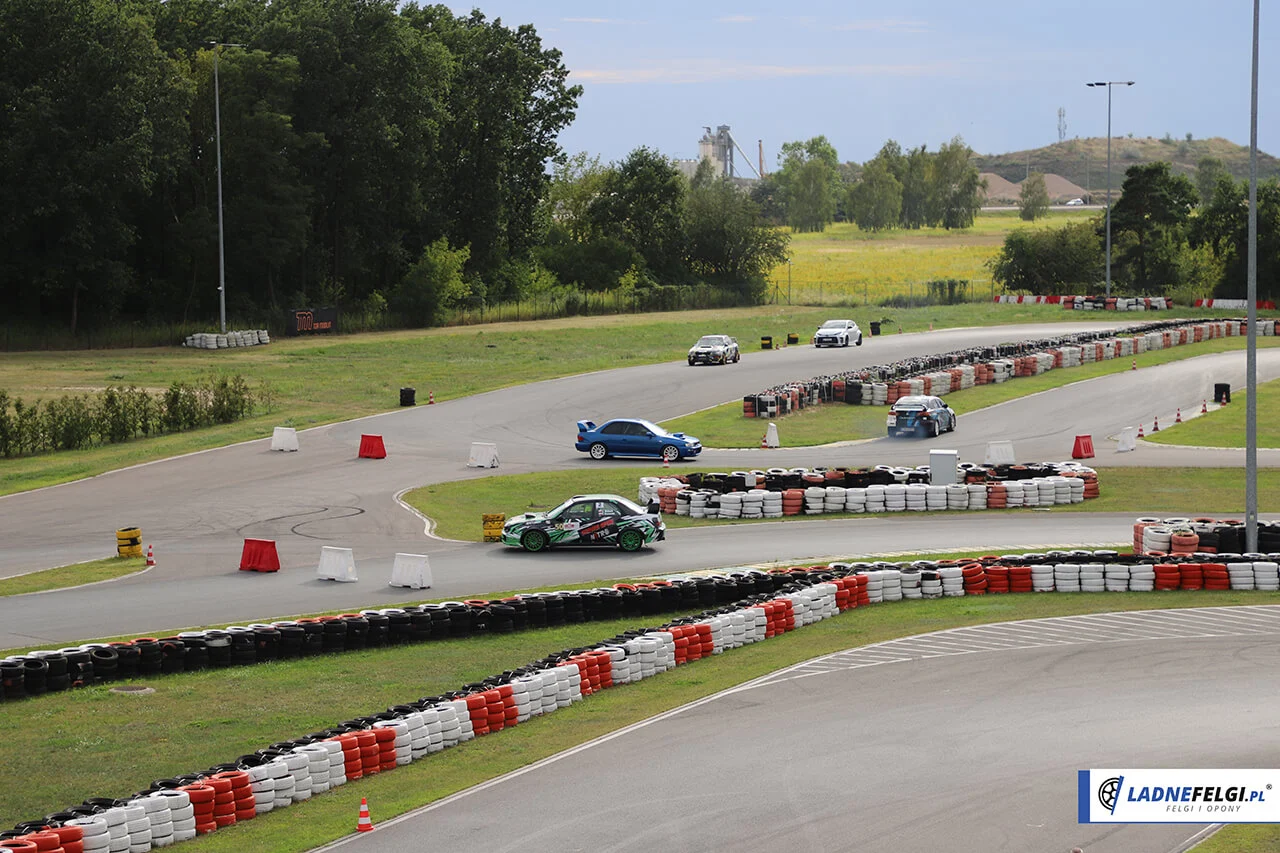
(713, 71)
(736, 19)
(888, 25)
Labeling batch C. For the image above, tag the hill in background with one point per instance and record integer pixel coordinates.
(1083, 162)
(1000, 191)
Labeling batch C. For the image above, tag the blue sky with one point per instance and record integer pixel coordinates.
(919, 72)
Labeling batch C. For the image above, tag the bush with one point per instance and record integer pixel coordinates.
(120, 414)
(69, 423)
(181, 409)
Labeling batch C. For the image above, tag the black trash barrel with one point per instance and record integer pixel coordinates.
(407, 396)
(875, 327)
(1221, 392)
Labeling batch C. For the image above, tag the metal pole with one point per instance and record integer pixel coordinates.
(222, 258)
(1251, 366)
(1108, 190)
(788, 281)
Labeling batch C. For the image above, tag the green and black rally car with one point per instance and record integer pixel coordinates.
(587, 520)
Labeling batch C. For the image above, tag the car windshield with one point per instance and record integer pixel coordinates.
(653, 428)
(710, 341)
(834, 324)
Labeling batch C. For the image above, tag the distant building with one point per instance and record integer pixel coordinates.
(718, 147)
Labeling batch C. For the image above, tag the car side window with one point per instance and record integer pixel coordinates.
(581, 511)
(606, 509)
(619, 428)
(639, 430)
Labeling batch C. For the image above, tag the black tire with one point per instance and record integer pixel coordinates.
(737, 357)
(933, 429)
(631, 540)
(599, 450)
(846, 342)
(953, 423)
(859, 340)
(534, 541)
(670, 452)
(691, 362)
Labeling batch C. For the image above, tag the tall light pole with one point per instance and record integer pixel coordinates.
(1109, 84)
(1251, 361)
(217, 123)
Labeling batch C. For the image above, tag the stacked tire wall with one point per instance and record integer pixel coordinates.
(780, 492)
(740, 609)
(939, 375)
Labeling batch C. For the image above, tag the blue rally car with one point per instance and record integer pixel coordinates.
(634, 437)
(920, 415)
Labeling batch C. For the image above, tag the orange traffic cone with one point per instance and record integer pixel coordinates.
(363, 823)
(1178, 419)
(151, 558)
(431, 397)
(931, 325)
(764, 441)
(666, 463)
(1135, 364)
(1204, 407)
(1140, 435)
(1156, 426)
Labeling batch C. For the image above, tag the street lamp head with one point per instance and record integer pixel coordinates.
(1091, 85)
(1128, 82)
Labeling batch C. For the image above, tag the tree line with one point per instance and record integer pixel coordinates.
(379, 155)
(1171, 235)
(916, 188)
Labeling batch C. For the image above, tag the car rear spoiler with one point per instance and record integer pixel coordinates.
(586, 426)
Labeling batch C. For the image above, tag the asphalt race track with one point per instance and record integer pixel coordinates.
(965, 740)
(196, 510)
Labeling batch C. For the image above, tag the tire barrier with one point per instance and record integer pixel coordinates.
(779, 492)
(491, 524)
(942, 374)
(1100, 303)
(738, 609)
(129, 542)
(249, 338)
(1234, 304)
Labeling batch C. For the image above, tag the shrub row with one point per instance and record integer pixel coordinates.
(120, 414)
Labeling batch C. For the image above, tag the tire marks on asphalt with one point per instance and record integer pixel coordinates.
(1125, 627)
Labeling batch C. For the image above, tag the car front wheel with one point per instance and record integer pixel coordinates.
(859, 340)
(630, 540)
(670, 452)
(599, 450)
(534, 541)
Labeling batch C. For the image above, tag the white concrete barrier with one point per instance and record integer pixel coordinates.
(284, 438)
(483, 455)
(336, 564)
(412, 571)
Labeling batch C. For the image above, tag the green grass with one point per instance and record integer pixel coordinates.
(91, 742)
(725, 425)
(73, 575)
(323, 380)
(845, 266)
(456, 507)
(1225, 427)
